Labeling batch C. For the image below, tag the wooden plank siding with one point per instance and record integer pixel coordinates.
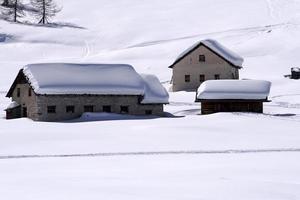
(214, 107)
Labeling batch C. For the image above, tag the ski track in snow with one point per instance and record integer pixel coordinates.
(239, 30)
(153, 153)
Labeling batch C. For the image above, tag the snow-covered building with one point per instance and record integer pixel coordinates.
(205, 60)
(295, 73)
(233, 95)
(60, 91)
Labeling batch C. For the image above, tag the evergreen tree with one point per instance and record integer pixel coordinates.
(46, 9)
(12, 11)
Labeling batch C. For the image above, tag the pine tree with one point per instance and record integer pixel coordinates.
(46, 9)
(5, 3)
(12, 11)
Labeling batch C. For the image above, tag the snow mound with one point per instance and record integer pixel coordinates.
(154, 91)
(234, 89)
(218, 48)
(97, 79)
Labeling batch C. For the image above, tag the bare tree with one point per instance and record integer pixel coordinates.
(46, 9)
(12, 11)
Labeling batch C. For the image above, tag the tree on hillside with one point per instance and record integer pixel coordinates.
(12, 11)
(46, 9)
(5, 3)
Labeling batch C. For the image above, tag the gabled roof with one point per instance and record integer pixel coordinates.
(90, 79)
(214, 46)
(234, 89)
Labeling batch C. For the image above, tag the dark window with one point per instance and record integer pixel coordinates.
(202, 58)
(217, 76)
(125, 109)
(107, 109)
(88, 108)
(29, 92)
(51, 109)
(148, 112)
(18, 92)
(187, 78)
(202, 77)
(70, 109)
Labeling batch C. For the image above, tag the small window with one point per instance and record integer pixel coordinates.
(202, 77)
(18, 92)
(202, 58)
(70, 109)
(107, 109)
(51, 109)
(148, 112)
(29, 92)
(187, 78)
(89, 108)
(124, 109)
(217, 76)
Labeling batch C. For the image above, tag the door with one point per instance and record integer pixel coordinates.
(24, 112)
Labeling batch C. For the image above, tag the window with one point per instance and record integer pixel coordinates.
(124, 109)
(88, 108)
(51, 109)
(202, 58)
(148, 112)
(202, 77)
(107, 109)
(29, 92)
(70, 109)
(187, 78)
(18, 92)
(217, 76)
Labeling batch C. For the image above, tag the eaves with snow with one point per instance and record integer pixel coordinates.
(234, 89)
(213, 45)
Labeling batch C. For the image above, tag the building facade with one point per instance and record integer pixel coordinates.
(204, 61)
(58, 107)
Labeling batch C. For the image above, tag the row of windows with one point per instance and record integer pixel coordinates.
(19, 92)
(90, 108)
(187, 78)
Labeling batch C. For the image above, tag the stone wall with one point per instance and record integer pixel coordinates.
(79, 102)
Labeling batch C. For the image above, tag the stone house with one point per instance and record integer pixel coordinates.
(59, 91)
(206, 60)
(233, 96)
(295, 73)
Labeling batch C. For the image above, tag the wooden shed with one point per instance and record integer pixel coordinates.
(295, 73)
(233, 96)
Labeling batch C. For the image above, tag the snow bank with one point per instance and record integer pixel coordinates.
(100, 79)
(154, 91)
(224, 52)
(234, 89)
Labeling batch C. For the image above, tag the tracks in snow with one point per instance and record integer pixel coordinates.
(153, 153)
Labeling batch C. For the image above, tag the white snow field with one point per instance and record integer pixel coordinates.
(183, 156)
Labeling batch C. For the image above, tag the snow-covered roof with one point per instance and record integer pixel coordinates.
(296, 69)
(218, 48)
(12, 105)
(234, 89)
(154, 92)
(95, 79)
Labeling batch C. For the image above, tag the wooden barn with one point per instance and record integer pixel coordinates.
(233, 96)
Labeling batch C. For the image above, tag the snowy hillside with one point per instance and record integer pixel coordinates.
(185, 156)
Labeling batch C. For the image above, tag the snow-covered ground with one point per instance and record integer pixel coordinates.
(185, 156)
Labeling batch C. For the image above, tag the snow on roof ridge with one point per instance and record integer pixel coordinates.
(214, 45)
(99, 79)
(234, 89)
